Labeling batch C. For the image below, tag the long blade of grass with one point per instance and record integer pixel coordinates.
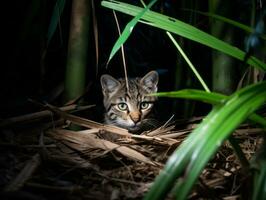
(199, 95)
(183, 29)
(224, 120)
(128, 29)
(204, 85)
(214, 98)
(259, 174)
(259, 191)
(227, 20)
(198, 148)
(211, 98)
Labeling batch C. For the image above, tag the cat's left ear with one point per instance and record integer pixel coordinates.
(109, 83)
(150, 81)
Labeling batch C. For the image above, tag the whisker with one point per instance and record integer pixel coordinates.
(113, 124)
(168, 122)
(152, 122)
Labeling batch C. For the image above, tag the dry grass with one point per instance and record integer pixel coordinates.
(47, 160)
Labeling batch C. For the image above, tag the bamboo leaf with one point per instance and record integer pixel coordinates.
(128, 29)
(187, 162)
(55, 19)
(207, 97)
(228, 21)
(183, 29)
(211, 98)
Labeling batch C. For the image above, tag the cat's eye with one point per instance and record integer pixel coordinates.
(122, 106)
(145, 105)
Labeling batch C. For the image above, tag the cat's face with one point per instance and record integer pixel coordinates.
(128, 108)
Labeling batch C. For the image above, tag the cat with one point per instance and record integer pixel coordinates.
(129, 108)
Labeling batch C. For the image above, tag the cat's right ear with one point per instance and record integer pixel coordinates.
(109, 83)
(150, 81)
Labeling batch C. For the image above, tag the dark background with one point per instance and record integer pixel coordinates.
(31, 69)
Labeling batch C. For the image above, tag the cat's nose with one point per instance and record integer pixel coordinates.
(135, 117)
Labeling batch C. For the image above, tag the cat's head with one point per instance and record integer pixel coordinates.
(129, 108)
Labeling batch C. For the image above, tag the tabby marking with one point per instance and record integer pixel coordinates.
(129, 108)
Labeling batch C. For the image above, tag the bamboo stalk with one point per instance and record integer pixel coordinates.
(77, 49)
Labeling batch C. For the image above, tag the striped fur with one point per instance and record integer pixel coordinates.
(130, 108)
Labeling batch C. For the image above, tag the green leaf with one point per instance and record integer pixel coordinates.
(55, 19)
(188, 161)
(194, 70)
(207, 97)
(228, 21)
(183, 29)
(128, 29)
(259, 174)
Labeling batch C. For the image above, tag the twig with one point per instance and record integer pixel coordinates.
(55, 188)
(24, 174)
(175, 135)
(38, 115)
(122, 51)
(88, 123)
(121, 180)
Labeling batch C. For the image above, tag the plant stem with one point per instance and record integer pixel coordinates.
(204, 85)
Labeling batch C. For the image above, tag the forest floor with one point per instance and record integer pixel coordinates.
(42, 158)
